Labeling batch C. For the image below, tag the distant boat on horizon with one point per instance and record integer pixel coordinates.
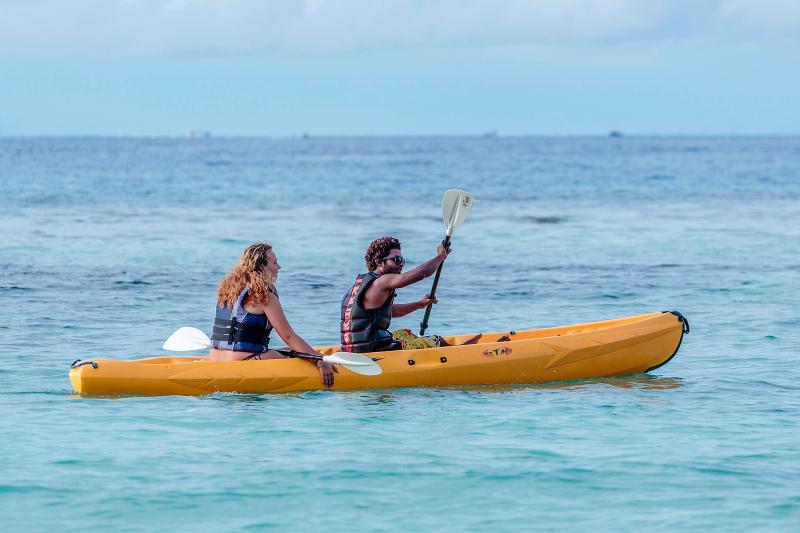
(615, 133)
(198, 134)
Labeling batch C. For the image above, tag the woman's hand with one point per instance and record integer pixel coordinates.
(326, 371)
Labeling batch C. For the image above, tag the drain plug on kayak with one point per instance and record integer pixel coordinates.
(411, 362)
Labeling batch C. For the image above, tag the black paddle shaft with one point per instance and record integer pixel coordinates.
(292, 353)
(424, 324)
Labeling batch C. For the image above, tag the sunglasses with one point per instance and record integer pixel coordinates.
(398, 260)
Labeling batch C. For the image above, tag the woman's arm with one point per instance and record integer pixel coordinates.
(277, 318)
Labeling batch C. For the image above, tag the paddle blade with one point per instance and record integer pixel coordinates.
(360, 364)
(456, 205)
(186, 339)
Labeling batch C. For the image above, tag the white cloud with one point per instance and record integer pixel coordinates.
(125, 27)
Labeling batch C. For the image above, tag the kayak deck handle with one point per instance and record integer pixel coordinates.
(682, 319)
(78, 363)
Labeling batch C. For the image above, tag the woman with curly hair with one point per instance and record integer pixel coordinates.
(368, 307)
(248, 309)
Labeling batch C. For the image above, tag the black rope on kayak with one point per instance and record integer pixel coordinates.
(77, 363)
(684, 330)
(682, 319)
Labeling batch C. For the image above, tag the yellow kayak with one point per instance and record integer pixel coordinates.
(619, 347)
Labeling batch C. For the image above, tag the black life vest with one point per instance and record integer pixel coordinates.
(236, 329)
(365, 330)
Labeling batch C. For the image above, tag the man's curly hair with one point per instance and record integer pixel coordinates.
(378, 249)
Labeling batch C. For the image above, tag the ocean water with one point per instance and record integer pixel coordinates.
(109, 244)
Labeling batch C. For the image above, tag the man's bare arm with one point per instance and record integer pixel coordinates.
(390, 282)
(399, 310)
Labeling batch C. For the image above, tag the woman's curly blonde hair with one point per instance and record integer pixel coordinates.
(247, 273)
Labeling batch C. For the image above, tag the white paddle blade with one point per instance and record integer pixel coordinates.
(186, 339)
(456, 205)
(360, 364)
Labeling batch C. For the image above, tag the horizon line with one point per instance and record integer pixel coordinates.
(205, 135)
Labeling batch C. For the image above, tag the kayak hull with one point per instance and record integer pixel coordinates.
(619, 347)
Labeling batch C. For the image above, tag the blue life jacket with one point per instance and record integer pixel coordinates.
(236, 329)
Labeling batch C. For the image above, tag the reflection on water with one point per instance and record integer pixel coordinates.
(372, 397)
(640, 381)
(391, 396)
(237, 398)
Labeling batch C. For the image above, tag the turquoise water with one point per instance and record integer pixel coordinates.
(108, 245)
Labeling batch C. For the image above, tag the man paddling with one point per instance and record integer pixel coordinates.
(368, 307)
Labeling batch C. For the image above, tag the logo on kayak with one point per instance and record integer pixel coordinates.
(505, 350)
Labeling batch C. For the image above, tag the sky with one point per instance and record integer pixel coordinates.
(399, 67)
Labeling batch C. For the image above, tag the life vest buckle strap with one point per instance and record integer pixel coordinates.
(232, 331)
